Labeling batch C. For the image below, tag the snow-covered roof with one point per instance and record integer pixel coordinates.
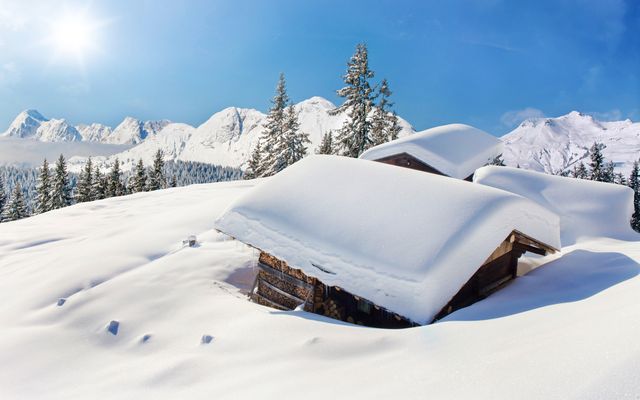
(400, 238)
(586, 208)
(456, 150)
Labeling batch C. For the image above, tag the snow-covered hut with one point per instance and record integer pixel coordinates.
(454, 150)
(369, 243)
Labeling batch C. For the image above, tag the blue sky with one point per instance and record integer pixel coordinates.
(488, 63)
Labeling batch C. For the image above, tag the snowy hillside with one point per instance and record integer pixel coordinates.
(554, 144)
(101, 301)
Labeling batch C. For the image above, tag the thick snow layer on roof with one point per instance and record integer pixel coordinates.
(455, 150)
(586, 208)
(401, 238)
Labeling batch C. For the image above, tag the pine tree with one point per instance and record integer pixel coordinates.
(634, 184)
(608, 174)
(326, 145)
(384, 123)
(61, 189)
(85, 183)
(293, 147)
(355, 135)
(139, 178)
(114, 182)
(156, 176)
(580, 171)
(497, 160)
(3, 198)
(255, 165)
(274, 131)
(395, 128)
(99, 185)
(174, 182)
(43, 189)
(16, 208)
(597, 162)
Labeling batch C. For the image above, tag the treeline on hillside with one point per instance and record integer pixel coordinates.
(370, 122)
(28, 191)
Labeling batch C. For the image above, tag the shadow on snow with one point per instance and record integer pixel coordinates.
(575, 276)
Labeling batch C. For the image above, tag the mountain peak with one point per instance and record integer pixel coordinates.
(35, 114)
(316, 102)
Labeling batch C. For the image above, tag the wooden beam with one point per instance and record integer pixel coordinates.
(270, 303)
(285, 277)
(282, 292)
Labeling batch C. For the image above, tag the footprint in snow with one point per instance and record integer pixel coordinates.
(206, 339)
(113, 327)
(145, 338)
(61, 302)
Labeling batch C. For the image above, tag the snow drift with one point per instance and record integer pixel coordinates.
(586, 208)
(403, 239)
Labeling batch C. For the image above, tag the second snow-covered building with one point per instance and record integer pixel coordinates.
(378, 245)
(454, 150)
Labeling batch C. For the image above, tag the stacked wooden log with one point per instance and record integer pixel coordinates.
(332, 310)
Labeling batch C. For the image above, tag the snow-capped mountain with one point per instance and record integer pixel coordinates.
(94, 132)
(553, 145)
(134, 131)
(30, 124)
(230, 135)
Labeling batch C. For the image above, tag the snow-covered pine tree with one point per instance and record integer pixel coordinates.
(43, 189)
(274, 131)
(61, 189)
(16, 208)
(608, 172)
(139, 178)
(596, 165)
(326, 145)
(255, 165)
(173, 182)
(114, 181)
(355, 135)
(3, 198)
(295, 141)
(580, 171)
(619, 179)
(384, 123)
(84, 188)
(156, 175)
(395, 128)
(634, 184)
(497, 160)
(99, 185)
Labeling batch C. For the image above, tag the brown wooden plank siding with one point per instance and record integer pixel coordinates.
(280, 286)
(408, 161)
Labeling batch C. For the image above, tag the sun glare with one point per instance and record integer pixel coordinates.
(73, 35)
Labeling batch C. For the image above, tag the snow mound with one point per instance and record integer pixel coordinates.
(456, 150)
(404, 239)
(587, 209)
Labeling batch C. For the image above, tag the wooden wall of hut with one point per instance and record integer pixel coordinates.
(280, 286)
(408, 161)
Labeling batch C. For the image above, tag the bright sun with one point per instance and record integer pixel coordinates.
(73, 35)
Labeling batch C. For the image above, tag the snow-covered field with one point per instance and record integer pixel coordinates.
(568, 329)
